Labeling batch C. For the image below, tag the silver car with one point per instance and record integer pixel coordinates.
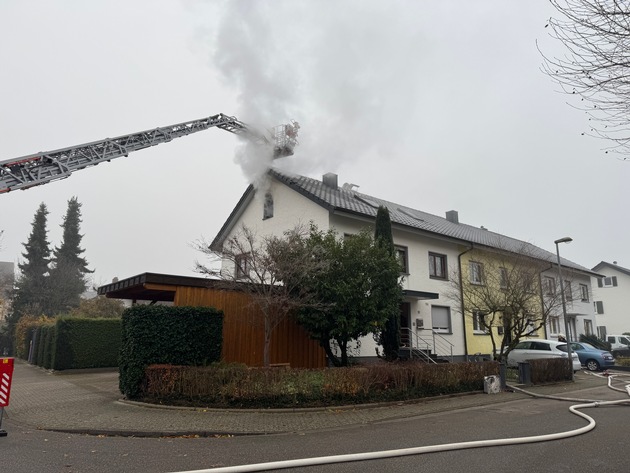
(534, 349)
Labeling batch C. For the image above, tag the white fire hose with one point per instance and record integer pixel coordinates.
(302, 462)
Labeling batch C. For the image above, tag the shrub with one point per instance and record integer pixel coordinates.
(547, 370)
(595, 341)
(188, 336)
(225, 385)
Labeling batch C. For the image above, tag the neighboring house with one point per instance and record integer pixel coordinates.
(431, 250)
(7, 279)
(578, 292)
(611, 298)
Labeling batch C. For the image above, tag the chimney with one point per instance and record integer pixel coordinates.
(452, 216)
(330, 179)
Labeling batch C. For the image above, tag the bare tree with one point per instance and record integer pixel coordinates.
(502, 293)
(596, 64)
(270, 269)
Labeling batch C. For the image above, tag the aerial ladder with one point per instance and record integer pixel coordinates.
(44, 167)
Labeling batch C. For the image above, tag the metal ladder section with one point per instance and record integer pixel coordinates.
(427, 345)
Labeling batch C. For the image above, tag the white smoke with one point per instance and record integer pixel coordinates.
(342, 69)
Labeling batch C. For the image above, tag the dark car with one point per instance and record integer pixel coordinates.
(593, 358)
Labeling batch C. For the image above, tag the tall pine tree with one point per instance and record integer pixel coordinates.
(31, 292)
(389, 335)
(68, 276)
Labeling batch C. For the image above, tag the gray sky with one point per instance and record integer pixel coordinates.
(434, 105)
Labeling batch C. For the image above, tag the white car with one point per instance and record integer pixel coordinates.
(534, 349)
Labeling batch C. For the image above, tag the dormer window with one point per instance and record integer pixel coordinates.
(268, 206)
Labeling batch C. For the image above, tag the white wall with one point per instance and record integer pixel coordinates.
(616, 299)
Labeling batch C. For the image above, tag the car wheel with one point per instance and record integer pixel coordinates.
(592, 365)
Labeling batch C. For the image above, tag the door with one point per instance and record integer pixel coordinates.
(405, 324)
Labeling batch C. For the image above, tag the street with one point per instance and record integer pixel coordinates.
(26, 450)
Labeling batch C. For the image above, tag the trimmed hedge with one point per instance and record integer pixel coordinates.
(86, 343)
(169, 335)
(234, 385)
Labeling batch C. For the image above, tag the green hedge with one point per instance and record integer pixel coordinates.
(73, 343)
(86, 343)
(190, 336)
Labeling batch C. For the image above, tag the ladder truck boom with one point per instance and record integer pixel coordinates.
(44, 167)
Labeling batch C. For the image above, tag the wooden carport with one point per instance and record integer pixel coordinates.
(242, 325)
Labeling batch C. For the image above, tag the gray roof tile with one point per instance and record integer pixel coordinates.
(351, 201)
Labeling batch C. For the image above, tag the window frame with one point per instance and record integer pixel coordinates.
(478, 272)
(584, 292)
(503, 278)
(241, 266)
(549, 285)
(444, 330)
(433, 258)
(478, 327)
(402, 255)
(568, 291)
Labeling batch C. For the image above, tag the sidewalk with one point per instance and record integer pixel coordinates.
(90, 403)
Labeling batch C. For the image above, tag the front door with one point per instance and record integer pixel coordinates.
(405, 324)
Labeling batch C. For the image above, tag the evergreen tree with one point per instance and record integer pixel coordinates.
(389, 336)
(68, 278)
(31, 286)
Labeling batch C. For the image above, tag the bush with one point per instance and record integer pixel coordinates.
(548, 370)
(233, 385)
(86, 343)
(596, 342)
(188, 336)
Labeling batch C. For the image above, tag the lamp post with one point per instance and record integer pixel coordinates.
(564, 304)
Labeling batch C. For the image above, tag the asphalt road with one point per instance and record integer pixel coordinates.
(602, 450)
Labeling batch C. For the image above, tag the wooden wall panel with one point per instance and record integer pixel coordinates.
(243, 332)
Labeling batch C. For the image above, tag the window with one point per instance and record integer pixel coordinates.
(599, 307)
(437, 266)
(549, 285)
(441, 319)
(268, 206)
(503, 278)
(529, 330)
(480, 326)
(528, 281)
(540, 346)
(568, 291)
(554, 324)
(607, 282)
(242, 266)
(403, 260)
(584, 292)
(588, 327)
(476, 272)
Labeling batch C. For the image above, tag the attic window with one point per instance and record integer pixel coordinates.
(268, 206)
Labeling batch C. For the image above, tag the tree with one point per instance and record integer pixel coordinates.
(389, 336)
(99, 307)
(68, 278)
(31, 293)
(595, 67)
(354, 300)
(270, 269)
(503, 296)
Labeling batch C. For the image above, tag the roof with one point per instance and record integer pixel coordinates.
(151, 287)
(603, 265)
(344, 199)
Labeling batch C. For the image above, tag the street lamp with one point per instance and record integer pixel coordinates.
(564, 304)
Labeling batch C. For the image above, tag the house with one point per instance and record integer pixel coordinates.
(433, 251)
(242, 334)
(611, 298)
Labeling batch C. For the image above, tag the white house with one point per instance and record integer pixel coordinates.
(611, 297)
(430, 248)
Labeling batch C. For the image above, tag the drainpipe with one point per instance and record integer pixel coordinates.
(461, 295)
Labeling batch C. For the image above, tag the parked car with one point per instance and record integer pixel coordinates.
(593, 358)
(619, 345)
(534, 349)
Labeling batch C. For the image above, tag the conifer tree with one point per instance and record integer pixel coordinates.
(68, 276)
(32, 284)
(389, 335)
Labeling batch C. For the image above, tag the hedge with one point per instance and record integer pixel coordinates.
(189, 336)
